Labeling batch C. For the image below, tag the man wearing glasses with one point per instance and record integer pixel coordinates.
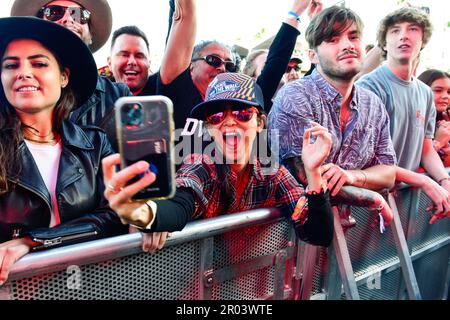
(293, 70)
(187, 70)
(91, 20)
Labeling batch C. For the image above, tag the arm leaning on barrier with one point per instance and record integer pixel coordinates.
(438, 195)
(155, 218)
(347, 194)
(360, 197)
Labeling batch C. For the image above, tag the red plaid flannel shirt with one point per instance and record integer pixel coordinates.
(214, 188)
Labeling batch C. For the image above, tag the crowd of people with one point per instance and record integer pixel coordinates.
(341, 125)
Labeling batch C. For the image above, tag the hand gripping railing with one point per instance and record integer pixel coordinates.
(202, 231)
(339, 261)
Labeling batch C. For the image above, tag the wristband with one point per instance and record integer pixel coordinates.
(296, 15)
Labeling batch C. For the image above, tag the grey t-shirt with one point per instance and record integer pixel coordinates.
(411, 110)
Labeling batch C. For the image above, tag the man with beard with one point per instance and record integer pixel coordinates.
(362, 154)
(410, 104)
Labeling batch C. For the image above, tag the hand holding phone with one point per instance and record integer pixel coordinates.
(144, 128)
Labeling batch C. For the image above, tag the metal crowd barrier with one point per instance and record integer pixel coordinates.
(239, 256)
(252, 255)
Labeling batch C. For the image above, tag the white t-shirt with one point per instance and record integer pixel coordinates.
(47, 160)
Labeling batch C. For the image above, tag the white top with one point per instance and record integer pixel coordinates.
(47, 160)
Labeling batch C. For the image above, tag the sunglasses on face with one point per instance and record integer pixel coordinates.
(56, 13)
(296, 68)
(216, 62)
(243, 115)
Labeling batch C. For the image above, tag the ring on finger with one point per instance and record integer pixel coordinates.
(111, 187)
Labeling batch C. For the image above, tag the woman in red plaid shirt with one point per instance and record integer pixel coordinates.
(230, 179)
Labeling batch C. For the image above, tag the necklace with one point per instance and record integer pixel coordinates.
(52, 141)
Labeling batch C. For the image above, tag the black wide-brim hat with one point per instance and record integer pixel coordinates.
(100, 24)
(67, 47)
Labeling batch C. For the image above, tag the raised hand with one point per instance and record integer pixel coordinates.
(300, 6)
(314, 154)
(314, 8)
(119, 195)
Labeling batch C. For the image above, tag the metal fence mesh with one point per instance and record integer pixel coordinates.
(244, 245)
(172, 273)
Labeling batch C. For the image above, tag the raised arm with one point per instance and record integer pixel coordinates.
(280, 52)
(180, 42)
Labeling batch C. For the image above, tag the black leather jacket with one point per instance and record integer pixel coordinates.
(27, 208)
(99, 109)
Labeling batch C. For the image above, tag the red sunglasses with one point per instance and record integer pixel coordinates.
(242, 115)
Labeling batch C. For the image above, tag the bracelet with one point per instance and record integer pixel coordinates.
(443, 179)
(296, 15)
(314, 193)
(365, 178)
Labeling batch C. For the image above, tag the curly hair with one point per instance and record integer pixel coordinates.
(407, 14)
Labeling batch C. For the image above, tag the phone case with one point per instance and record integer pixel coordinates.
(145, 131)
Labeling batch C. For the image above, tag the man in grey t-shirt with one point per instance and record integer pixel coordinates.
(409, 102)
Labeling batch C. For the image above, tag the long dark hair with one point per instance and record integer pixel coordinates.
(11, 132)
(431, 75)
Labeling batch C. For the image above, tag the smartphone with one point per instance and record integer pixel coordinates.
(145, 131)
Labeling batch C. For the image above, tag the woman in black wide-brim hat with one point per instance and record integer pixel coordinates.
(50, 169)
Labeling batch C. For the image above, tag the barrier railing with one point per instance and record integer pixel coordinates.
(252, 255)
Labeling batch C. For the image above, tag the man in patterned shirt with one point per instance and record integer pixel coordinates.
(362, 154)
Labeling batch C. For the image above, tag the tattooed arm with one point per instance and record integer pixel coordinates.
(348, 194)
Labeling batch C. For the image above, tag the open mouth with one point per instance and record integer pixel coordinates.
(131, 73)
(404, 46)
(231, 139)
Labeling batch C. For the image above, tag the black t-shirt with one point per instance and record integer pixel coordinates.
(150, 86)
(184, 95)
